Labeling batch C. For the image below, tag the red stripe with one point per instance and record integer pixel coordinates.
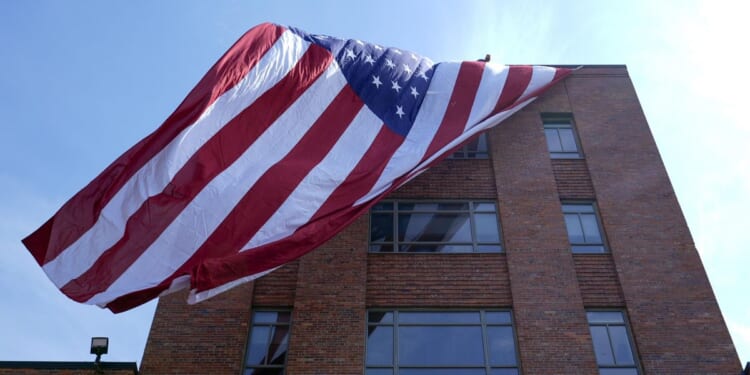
(364, 175)
(275, 186)
(515, 85)
(80, 213)
(359, 181)
(459, 107)
(150, 220)
(326, 223)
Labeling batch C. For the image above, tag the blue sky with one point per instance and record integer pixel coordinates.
(82, 81)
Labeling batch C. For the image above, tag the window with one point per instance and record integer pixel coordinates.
(440, 343)
(584, 232)
(269, 339)
(437, 227)
(475, 149)
(561, 137)
(612, 344)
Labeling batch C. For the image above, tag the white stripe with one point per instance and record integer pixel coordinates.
(207, 210)
(428, 120)
(154, 176)
(195, 296)
(322, 180)
(540, 76)
(490, 87)
(486, 124)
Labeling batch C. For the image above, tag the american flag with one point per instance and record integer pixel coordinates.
(286, 140)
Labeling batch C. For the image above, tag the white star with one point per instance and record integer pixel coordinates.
(421, 74)
(376, 81)
(350, 53)
(414, 92)
(395, 86)
(400, 111)
(407, 69)
(369, 60)
(389, 63)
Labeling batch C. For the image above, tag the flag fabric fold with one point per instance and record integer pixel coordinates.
(286, 140)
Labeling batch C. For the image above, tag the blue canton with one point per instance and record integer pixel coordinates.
(391, 82)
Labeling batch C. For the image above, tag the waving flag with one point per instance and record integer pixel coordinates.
(286, 140)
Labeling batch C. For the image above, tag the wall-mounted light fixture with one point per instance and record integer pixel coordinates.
(99, 346)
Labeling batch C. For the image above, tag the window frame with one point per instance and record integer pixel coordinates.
(555, 121)
(625, 323)
(462, 153)
(483, 325)
(474, 243)
(576, 248)
(248, 367)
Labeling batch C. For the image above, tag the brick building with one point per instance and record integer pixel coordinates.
(554, 244)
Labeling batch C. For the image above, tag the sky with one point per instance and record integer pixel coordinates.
(82, 81)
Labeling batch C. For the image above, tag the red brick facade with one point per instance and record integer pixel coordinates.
(652, 270)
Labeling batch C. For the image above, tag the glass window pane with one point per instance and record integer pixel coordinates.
(605, 317)
(621, 345)
(489, 248)
(381, 227)
(277, 348)
(443, 317)
(568, 141)
(571, 208)
(265, 371)
(380, 345)
(257, 348)
(438, 227)
(440, 346)
(383, 206)
(378, 371)
(486, 228)
(454, 249)
(381, 248)
(497, 317)
(484, 206)
(504, 371)
(441, 371)
(419, 248)
(588, 249)
(618, 371)
(380, 317)
(553, 140)
(433, 206)
(575, 232)
(265, 317)
(601, 345)
(502, 348)
(590, 229)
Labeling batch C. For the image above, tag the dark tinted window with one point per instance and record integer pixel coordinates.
(428, 226)
(561, 138)
(584, 232)
(475, 149)
(268, 343)
(441, 342)
(612, 345)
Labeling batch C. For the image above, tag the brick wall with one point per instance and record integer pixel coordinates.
(676, 322)
(653, 271)
(553, 336)
(430, 280)
(205, 338)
